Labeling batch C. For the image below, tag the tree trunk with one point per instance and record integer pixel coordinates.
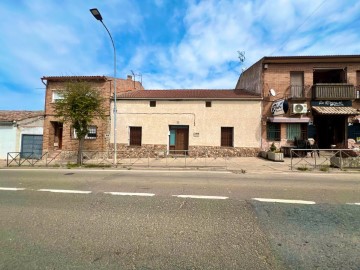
(80, 149)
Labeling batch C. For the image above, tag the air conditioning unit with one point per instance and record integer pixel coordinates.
(299, 108)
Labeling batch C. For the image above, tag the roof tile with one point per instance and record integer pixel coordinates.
(9, 116)
(189, 94)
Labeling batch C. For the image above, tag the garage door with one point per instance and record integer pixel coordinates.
(31, 144)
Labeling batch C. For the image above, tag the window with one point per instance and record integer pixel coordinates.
(135, 136)
(92, 133)
(152, 103)
(273, 131)
(227, 136)
(297, 84)
(208, 104)
(297, 131)
(56, 95)
(354, 132)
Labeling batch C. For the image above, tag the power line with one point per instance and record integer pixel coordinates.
(306, 19)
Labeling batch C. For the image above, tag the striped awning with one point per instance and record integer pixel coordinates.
(336, 110)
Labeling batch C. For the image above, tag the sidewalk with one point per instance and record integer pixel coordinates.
(234, 164)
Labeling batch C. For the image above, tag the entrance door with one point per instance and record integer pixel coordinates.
(31, 144)
(58, 134)
(179, 139)
(330, 130)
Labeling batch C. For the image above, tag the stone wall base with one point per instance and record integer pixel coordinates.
(154, 151)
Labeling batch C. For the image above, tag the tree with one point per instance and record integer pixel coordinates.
(79, 106)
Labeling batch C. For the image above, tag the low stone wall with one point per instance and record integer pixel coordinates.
(154, 151)
(217, 151)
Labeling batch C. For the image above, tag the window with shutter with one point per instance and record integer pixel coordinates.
(227, 136)
(135, 136)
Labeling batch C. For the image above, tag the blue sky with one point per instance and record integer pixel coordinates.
(172, 43)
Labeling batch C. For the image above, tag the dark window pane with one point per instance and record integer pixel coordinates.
(273, 131)
(135, 136)
(152, 103)
(227, 136)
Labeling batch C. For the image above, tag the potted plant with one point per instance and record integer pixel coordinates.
(274, 154)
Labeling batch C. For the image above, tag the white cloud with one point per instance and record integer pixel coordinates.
(62, 38)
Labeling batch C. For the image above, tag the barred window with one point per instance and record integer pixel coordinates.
(135, 136)
(273, 132)
(227, 136)
(91, 135)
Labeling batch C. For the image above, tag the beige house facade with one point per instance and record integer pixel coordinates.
(192, 122)
(304, 97)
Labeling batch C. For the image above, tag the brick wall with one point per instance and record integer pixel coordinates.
(105, 86)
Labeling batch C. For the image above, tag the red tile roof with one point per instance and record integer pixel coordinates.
(9, 116)
(189, 94)
(66, 78)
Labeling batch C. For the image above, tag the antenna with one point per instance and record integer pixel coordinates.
(241, 56)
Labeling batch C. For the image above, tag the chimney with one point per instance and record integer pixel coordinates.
(129, 77)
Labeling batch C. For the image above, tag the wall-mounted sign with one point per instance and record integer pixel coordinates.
(329, 103)
(279, 107)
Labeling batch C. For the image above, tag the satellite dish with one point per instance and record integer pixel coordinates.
(272, 92)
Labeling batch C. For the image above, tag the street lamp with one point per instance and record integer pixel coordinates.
(96, 13)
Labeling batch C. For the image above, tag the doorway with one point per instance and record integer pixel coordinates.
(58, 134)
(330, 130)
(179, 140)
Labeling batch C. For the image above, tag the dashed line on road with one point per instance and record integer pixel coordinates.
(131, 194)
(202, 197)
(11, 189)
(353, 203)
(283, 201)
(66, 191)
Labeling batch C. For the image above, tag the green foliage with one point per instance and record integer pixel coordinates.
(273, 147)
(81, 104)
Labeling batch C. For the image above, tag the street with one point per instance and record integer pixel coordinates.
(108, 219)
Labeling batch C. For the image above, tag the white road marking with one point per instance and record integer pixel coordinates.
(202, 197)
(66, 191)
(11, 189)
(353, 203)
(131, 194)
(283, 201)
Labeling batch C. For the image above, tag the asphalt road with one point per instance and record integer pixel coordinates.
(97, 230)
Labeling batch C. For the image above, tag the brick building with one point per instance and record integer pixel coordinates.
(307, 97)
(60, 136)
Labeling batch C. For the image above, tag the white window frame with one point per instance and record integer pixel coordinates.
(57, 95)
(92, 130)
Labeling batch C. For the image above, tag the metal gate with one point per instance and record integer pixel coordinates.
(31, 144)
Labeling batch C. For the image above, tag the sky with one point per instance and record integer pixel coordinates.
(173, 44)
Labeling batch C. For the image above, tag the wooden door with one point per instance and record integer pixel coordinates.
(182, 140)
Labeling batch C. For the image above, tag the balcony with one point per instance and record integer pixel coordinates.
(297, 91)
(334, 91)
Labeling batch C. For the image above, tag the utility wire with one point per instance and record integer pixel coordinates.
(307, 18)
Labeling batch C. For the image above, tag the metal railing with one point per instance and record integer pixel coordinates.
(297, 91)
(216, 158)
(19, 158)
(324, 158)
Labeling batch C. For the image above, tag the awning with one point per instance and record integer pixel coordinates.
(336, 110)
(288, 119)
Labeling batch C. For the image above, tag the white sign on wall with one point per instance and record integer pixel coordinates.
(279, 107)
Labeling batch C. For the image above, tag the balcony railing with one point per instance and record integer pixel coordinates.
(334, 91)
(297, 91)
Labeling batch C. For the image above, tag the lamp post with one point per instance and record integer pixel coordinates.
(95, 12)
